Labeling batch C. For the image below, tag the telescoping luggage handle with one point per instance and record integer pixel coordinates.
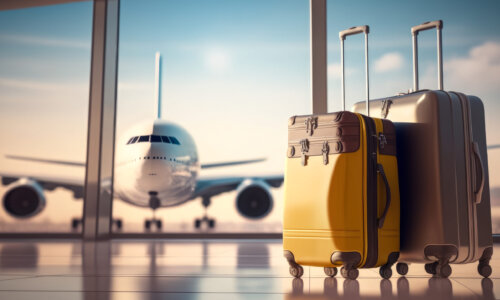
(342, 35)
(414, 32)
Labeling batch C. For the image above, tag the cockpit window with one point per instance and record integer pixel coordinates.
(155, 139)
(174, 140)
(144, 138)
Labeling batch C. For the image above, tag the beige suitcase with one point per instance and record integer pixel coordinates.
(443, 174)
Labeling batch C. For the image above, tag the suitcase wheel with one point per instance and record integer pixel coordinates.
(330, 271)
(431, 268)
(296, 271)
(385, 272)
(349, 273)
(484, 270)
(443, 271)
(402, 268)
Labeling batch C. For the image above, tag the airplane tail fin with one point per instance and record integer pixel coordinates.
(158, 83)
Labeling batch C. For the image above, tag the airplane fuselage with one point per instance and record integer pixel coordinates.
(156, 158)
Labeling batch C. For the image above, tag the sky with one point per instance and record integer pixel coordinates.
(233, 71)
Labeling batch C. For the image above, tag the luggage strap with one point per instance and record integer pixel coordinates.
(380, 170)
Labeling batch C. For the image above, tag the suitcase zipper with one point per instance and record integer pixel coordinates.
(371, 195)
(470, 179)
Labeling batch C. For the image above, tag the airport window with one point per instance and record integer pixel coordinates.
(144, 138)
(155, 139)
(165, 139)
(174, 140)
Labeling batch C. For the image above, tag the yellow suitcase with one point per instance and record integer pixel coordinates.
(341, 194)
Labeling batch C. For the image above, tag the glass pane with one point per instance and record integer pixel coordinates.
(44, 92)
(233, 72)
(471, 56)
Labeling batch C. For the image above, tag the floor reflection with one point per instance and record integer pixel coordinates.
(213, 269)
(438, 288)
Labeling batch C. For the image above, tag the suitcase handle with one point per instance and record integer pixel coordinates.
(342, 35)
(380, 221)
(414, 32)
(479, 191)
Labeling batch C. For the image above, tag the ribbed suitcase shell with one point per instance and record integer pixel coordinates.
(439, 175)
(326, 209)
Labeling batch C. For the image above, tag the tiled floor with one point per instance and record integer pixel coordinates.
(211, 269)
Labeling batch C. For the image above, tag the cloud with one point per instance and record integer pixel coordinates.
(334, 70)
(478, 72)
(45, 41)
(389, 62)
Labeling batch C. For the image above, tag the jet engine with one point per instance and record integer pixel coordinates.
(24, 198)
(254, 199)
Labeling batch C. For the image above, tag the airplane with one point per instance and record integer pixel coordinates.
(156, 165)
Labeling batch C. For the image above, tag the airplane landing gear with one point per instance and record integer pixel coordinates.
(76, 222)
(198, 222)
(154, 203)
(148, 223)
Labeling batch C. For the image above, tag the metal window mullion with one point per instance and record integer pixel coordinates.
(318, 56)
(102, 116)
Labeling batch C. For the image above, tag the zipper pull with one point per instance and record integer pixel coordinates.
(325, 151)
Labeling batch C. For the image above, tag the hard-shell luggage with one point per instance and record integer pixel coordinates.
(341, 192)
(443, 174)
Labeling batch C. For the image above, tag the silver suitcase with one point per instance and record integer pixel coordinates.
(443, 174)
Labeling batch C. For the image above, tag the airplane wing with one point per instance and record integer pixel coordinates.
(50, 161)
(209, 187)
(73, 183)
(231, 163)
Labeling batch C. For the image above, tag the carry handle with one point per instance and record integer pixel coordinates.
(414, 32)
(479, 192)
(342, 35)
(380, 221)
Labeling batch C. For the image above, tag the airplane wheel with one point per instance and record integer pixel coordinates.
(147, 224)
(211, 223)
(75, 223)
(159, 224)
(197, 223)
(119, 224)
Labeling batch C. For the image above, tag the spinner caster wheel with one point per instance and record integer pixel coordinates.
(197, 223)
(349, 273)
(402, 268)
(484, 270)
(147, 224)
(431, 268)
(296, 271)
(443, 271)
(385, 272)
(331, 272)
